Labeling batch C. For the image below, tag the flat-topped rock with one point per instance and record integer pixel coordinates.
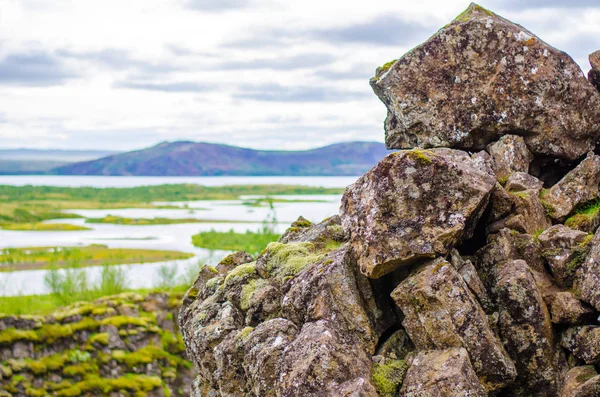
(483, 76)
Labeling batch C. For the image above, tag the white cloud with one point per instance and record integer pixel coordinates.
(127, 74)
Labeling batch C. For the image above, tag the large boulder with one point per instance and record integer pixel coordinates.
(414, 204)
(482, 76)
(440, 312)
(576, 188)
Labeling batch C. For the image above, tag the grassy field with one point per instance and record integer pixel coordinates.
(12, 259)
(43, 227)
(251, 242)
(119, 220)
(148, 194)
(34, 204)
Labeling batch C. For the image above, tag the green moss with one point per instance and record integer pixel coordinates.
(241, 271)
(335, 229)
(577, 220)
(146, 355)
(137, 384)
(388, 377)
(289, 259)
(125, 321)
(419, 156)
(472, 9)
(102, 338)
(549, 207)
(538, 232)
(80, 369)
(245, 332)
(579, 254)
(249, 289)
(50, 333)
(11, 335)
(521, 194)
(213, 283)
(302, 223)
(17, 365)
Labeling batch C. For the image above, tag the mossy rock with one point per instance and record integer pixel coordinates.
(388, 376)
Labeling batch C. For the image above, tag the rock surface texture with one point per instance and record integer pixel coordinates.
(447, 272)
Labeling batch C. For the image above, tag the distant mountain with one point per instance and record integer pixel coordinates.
(40, 161)
(206, 159)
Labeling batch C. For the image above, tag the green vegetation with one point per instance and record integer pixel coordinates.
(90, 197)
(287, 260)
(267, 201)
(43, 227)
(72, 286)
(387, 377)
(119, 220)
(419, 156)
(584, 215)
(12, 259)
(251, 242)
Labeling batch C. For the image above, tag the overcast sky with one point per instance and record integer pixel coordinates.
(288, 74)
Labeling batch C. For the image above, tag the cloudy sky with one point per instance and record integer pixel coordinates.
(273, 74)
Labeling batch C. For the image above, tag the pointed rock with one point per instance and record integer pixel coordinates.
(414, 204)
(482, 76)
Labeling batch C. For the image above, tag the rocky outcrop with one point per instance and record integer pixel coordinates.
(412, 220)
(459, 89)
(447, 273)
(123, 345)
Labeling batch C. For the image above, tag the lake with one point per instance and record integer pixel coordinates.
(168, 237)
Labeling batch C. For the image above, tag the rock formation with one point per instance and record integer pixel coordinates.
(447, 272)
